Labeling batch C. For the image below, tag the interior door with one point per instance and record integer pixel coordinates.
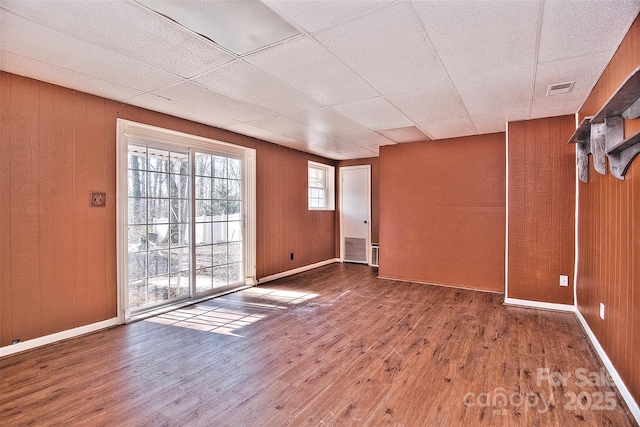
(355, 213)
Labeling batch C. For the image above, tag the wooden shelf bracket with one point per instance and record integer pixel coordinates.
(603, 134)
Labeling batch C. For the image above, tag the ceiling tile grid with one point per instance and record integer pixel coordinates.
(127, 28)
(245, 82)
(334, 78)
(388, 48)
(25, 38)
(311, 69)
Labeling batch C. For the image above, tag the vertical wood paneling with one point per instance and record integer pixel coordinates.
(6, 317)
(609, 236)
(442, 212)
(23, 158)
(96, 218)
(46, 194)
(63, 293)
(541, 209)
(285, 224)
(80, 210)
(110, 291)
(58, 255)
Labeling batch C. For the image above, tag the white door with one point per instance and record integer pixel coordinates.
(355, 213)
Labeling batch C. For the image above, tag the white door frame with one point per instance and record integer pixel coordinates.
(127, 130)
(340, 178)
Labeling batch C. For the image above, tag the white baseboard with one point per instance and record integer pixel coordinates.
(297, 270)
(622, 388)
(58, 336)
(540, 305)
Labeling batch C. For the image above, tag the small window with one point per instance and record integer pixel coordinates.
(321, 186)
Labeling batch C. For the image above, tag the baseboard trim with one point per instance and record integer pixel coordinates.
(297, 270)
(444, 285)
(58, 336)
(622, 388)
(540, 305)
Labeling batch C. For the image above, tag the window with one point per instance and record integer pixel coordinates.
(321, 186)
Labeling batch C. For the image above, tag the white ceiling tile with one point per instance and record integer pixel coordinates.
(286, 126)
(244, 81)
(316, 15)
(326, 120)
(430, 105)
(369, 140)
(388, 48)
(129, 29)
(583, 70)
(178, 109)
(239, 26)
(193, 94)
(405, 134)
(476, 37)
(555, 110)
(314, 149)
(361, 153)
(326, 100)
(25, 38)
(325, 140)
(256, 132)
(497, 92)
(496, 121)
(335, 144)
(317, 150)
(462, 126)
(311, 69)
(374, 113)
(571, 29)
(23, 66)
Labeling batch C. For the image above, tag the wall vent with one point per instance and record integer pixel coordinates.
(559, 88)
(375, 253)
(355, 249)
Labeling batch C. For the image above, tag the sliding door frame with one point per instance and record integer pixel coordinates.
(132, 132)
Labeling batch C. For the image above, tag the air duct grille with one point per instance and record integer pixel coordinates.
(559, 88)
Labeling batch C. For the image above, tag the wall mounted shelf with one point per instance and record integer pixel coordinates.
(603, 134)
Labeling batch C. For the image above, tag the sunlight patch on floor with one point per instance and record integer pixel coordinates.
(250, 306)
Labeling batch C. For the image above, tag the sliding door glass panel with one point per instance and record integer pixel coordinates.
(218, 222)
(158, 226)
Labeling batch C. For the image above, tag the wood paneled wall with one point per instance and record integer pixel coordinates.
(285, 224)
(442, 211)
(58, 255)
(609, 236)
(541, 236)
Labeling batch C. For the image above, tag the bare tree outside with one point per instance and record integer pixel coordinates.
(160, 217)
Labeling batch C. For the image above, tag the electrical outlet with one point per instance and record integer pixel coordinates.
(564, 280)
(602, 311)
(98, 200)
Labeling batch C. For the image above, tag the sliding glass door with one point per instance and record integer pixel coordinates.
(185, 221)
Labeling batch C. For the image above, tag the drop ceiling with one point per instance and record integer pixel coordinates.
(336, 78)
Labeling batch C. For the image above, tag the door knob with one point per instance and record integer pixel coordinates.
(365, 221)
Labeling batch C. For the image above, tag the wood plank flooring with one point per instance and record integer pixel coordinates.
(333, 346)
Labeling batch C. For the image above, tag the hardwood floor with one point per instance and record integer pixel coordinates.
(333, 346)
